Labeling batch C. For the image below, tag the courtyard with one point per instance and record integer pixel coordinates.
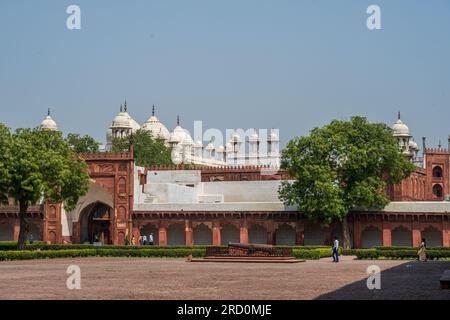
(174, 279)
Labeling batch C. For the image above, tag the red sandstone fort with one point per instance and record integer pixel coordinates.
(214, 205)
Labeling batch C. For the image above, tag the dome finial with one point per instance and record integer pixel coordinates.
(398, 115)
(121, 108)
(48, 112)
(125, 108)
(178, 120)
(153, 110)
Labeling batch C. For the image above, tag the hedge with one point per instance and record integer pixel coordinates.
(311, 254)
(399, 254)
(411, 248)
(74, 253)
(134, 252)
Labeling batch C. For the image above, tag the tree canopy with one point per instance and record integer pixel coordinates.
(82, 144)
(342, 166)
(38, 165)
(147, 150)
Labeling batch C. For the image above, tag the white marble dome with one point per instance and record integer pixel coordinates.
(221, 149)
(156, 127)
(180, 135)
(400, 129)
(235, 137)
(254, 137)
(413, 145)
(48, 123)
(122, 120)
(273, 137)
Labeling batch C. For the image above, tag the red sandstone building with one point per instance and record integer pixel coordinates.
(215, 206)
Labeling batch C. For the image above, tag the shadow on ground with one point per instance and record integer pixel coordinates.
(410, 280)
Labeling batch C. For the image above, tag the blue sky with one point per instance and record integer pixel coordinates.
(285, 64)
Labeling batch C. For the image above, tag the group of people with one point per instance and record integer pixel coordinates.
(421, 253)
(144, 240)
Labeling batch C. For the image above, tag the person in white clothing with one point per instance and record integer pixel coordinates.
(335, 250)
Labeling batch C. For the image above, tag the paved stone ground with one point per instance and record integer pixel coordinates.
(140, 278)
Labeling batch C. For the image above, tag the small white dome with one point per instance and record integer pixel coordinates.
(235, 137)
(254, 137)
(156, 127)
(413, 145)
(273, 137)
(122, 120)
(400, 129)
(221, 149)
(180, 135)
(48, 123)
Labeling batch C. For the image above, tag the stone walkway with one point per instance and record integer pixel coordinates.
(140, 278)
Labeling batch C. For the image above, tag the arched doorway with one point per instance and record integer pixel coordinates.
(6, 232)
(34, 232)
(257, 234)
(432, 236)
(285, 235)
(202, 235)
(176, 235)
(96, 223)
(314, 235)
(371, 237)
(151, 229)
(229, 234)
(401, 237)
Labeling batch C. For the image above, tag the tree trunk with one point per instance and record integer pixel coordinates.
(23, 233)
(345, 233)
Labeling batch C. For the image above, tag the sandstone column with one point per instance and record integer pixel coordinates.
(244, 233)
(189, 233)
(416, 234)
(217, 241)
(162, 234)
(387, 239)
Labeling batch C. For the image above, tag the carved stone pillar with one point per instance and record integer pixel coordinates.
(416, 234)
(387, 237)
(217, 241)
(189, 234)
(243, 234)
(162, 234)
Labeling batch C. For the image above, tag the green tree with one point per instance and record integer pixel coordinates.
(40, 166)
(147, 150)
(342, 166)
(82, 144)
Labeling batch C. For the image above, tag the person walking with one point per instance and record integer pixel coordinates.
(422, 251)
(144, 240)
(150, 239)
(133, 241)
(335, 250)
